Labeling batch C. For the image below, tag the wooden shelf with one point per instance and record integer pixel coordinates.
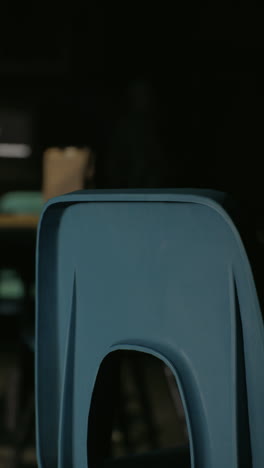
(24, 221)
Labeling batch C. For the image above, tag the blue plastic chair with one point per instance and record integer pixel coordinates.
(164, 272)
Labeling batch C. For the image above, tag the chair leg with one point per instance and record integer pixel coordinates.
(19, 409)
(26, 422)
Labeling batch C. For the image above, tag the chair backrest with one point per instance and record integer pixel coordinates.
(164, 272)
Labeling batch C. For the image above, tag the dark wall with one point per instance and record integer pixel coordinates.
(166, 97)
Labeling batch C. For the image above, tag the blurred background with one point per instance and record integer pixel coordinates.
(164, 97)
(142, 96)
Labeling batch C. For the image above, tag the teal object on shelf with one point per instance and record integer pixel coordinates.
(22, 202)
(17, 202)
(11, 285)
(163, 272)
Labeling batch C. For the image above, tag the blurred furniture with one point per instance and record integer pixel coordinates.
(66, 170)
(18, 226)
(19, 214)
(21, 202)
(158, 459)
(160, 272)
(18, 221)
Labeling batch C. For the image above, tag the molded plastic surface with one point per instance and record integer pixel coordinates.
(163, 272)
